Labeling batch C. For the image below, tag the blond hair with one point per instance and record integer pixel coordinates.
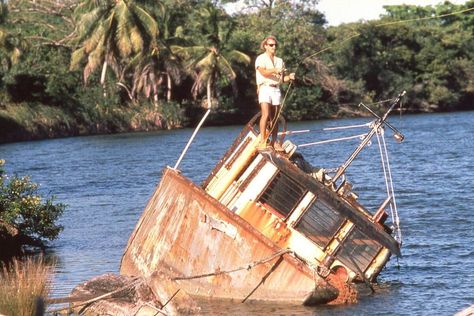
(264, 42)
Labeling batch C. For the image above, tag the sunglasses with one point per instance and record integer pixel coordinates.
(272, 45)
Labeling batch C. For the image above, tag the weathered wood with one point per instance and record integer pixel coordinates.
(174, 300)
(179, 231)
(111, 294)
(369, 228)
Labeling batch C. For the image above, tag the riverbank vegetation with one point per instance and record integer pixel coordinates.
(26, 218)
(79, 67)
(23, 287)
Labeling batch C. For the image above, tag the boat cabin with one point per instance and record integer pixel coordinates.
(299, 207)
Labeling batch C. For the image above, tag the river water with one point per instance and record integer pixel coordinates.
(107, 180)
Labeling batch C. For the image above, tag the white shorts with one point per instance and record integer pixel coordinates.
(271, 95)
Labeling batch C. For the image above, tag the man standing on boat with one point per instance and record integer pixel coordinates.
(270, 73)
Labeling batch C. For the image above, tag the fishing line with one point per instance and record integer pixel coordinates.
(356, 34)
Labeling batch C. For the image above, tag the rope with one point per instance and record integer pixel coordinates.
(425, 18)
(360, 136)
(388, 182)
(273, 268)
(394, 201)
(246, 267)
(346, 127)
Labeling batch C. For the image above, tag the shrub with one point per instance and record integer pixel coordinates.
(25, 211)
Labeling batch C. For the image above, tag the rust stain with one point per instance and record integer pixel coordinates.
(172, 235)
(266, 222)
(347, 291)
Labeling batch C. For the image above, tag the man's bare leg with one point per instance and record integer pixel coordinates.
(274, 142)
(265, 107)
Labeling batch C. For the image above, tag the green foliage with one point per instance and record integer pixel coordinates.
(422, 57)
(172, 114)
(25, 209)
(109, 31)
(179, 50)
(209, 58)
(10, 45)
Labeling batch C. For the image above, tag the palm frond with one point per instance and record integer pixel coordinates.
(122, 31)
(209, 61)
(190, 52)
(136, 40)
(88, 24)
(148, 22)
(94, 60)
(77, 58)
(108, 26)
(86, 6)
(94, 39)
(225, 68)
(237, 56)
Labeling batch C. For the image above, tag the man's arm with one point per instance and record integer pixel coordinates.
(269, 72)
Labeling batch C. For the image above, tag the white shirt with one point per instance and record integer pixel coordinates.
(264, 61)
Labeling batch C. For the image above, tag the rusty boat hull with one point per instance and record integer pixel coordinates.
(264, 225)
(212, 252)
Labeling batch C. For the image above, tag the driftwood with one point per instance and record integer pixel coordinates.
(108, 294)
(111, 294)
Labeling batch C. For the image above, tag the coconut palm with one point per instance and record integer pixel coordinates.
(110, 32)
(159, 67)
(212, 60)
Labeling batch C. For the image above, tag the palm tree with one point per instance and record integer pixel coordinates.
(110, 32)
(212, 60)
(159, 67)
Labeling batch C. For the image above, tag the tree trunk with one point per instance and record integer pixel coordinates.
(209, 93)
(102, 77)
(168, 86)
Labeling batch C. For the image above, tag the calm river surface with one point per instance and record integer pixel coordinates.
(107, 180)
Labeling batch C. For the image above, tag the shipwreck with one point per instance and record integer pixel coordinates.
(266, 225)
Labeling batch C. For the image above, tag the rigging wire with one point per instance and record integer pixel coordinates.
(325, 129)
(360, 136)
(389, 182)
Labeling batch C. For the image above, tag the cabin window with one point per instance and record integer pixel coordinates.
(319, 223)
(283, 194)
(358, 251)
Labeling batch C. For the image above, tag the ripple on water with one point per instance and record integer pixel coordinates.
(107, 181)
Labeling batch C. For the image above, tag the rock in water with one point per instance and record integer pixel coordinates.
(117, 295)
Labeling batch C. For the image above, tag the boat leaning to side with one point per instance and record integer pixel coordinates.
(266, 225)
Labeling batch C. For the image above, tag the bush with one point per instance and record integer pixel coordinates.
(26, 213)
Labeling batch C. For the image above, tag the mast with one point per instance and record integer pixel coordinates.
(379, 122)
